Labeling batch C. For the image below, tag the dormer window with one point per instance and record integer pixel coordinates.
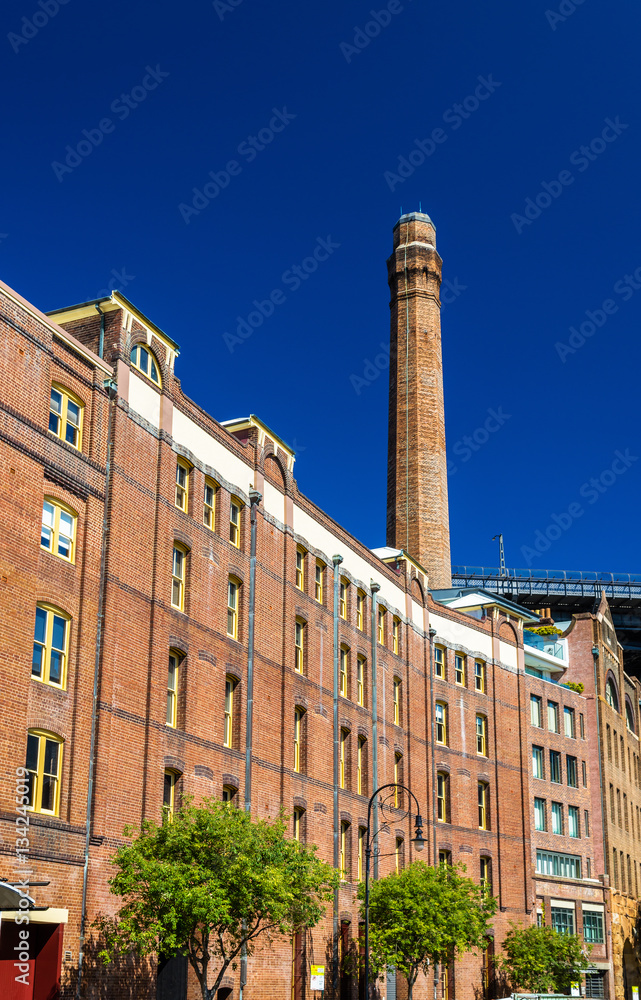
(144, 361)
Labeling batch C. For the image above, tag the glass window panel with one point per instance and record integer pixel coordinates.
(143, 360)
(33, 746)
(48, 802)
(58, 634)
(154, 371)
(56, 401)
(41, 625)
(51, 757)
(55, 667)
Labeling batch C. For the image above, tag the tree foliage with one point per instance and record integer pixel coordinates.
(209, 882)
(539, 960)
(423, 916)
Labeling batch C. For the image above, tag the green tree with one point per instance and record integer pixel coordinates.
(423, 916)
(539, 960)
(209, 882)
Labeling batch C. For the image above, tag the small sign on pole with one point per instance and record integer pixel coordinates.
(317, 978)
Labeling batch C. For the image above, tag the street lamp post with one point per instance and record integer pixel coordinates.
(419, 844)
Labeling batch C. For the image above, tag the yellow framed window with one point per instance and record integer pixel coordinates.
(343, 856)
(298, 738)
(178, 570)
(58, 529)
(228, 734)
(209, 504)
(235, 509)
(479, 676)
(299, 646)
(65, 416)
(228, 793)
(44, 767)
(459, 669)
(233, 589)
(441, 797)
(360, 777)
(381, 626)
(398, 777)
(142, 359)
(182, 485)
(173, 673)
(169, 793)
(483, 799)
(445, 858)
(360, 610)
(50, 646)
(396, 636)
(398, 854)
(440, 720)
(439, 662)
(343, 758)
(318, 582)
(360, 680)
(343, 683)
(397, 701)
(300, 569)
(481, 735)
(297, 824)
(486, 874)
(342, 598)
(362, 833)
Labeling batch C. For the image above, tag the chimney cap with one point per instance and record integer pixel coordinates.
(415, 217)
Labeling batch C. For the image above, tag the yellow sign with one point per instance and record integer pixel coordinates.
(317, 977)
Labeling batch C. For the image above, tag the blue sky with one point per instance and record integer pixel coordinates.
(348, 94)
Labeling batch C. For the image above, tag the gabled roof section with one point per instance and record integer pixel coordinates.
(471, 598)
(109, 304)
(246, 423)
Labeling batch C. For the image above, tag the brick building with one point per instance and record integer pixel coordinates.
(126, 505)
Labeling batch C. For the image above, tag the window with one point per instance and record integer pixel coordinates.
(557, 817)
(535, 711)
(442, 797)
(342, 598)
(343, 672)
(343, 758)
(298, 738)
(572, 772)
(228, 737)
(445, 857)
(612, 802)
(592, 926)
(537, 762)
(588, 868)
(235, 508)
(58, 529)
(169, 792)
(144, 361)
(609, 741)
(228, 793)
(318, 585)
(555, 767)
(562, 865)
(440, 719)
(50, 646)
(586, 823)
(360, 681)
(299, 647)
(182, 485)
(362, 833)
(360, 609)
(297, 823)
(484, 803)
(568, 722)
(343, 858)
(178, 577)
(396, 632)
(479, 676)
(584, 774)
(481, 735)
(562, 919)
(629, 718)
(233, 588)
(439, 661)
(573, 821)
(172, 689)
(459, 669)
(582, 725)
(398, 854)
(65, 416)
(209, 506)
(300, 568)
(486, 873)
(398, 778)
(397, 701)
(595, 984)
(381, 626)
(553, 717)
(360, 764)
(611, 695)
(44, 761)
(539, 815)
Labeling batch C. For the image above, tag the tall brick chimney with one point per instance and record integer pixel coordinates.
(417, 509)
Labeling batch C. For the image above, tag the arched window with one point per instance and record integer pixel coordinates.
(50, 646)
(44, 762)
(58, 530)
(629, 716)
(142, 359)
(611, 694)
(440, 722)
(178, 576)
(65, 416)
(173, 680)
